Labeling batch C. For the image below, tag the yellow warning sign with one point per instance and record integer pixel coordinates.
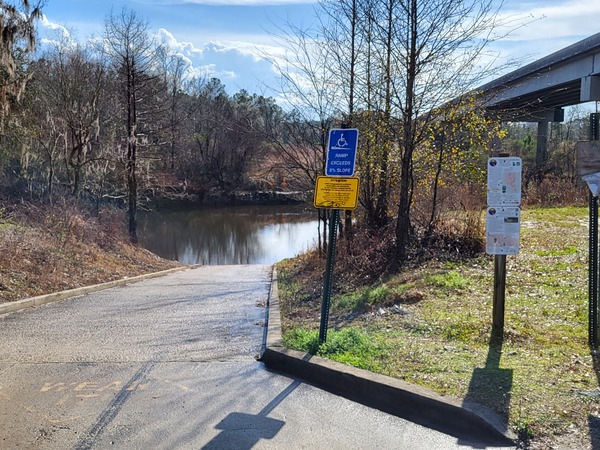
(336, 192)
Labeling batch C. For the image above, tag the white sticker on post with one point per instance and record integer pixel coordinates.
(502, 230)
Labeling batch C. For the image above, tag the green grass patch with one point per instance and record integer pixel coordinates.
(360, 300)
(449, 280)
(381, 294)
(303, 340)
(569, 250)
(349, 346)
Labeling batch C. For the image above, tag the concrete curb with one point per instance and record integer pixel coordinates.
(62, 295)
(467, 422)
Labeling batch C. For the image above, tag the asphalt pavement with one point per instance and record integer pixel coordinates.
(171, 363)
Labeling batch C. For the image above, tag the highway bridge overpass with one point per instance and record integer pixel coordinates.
(539, 91)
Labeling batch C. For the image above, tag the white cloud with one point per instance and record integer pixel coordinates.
(565, 20)
(239, 62)
(542, 28)
(187, 49)
(258, 52)
(55, 35)
(55, 28)
(211, 71)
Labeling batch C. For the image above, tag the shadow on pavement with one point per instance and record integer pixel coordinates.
(491, 385)
(242, 431)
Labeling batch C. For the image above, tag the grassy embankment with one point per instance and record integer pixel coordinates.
(432, 325)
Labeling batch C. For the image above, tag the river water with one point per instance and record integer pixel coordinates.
(229, 235)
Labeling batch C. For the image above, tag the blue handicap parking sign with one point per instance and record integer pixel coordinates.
(341, 152)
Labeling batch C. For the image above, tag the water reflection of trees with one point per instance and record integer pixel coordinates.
(220, 236)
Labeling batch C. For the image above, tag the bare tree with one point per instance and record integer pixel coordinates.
(131, 52)
(72, 87)
(342, 24)
(17, 41)
(439, 47)
(313, 90)
(173, 69)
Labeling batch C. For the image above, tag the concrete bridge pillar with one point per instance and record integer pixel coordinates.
(541, 155)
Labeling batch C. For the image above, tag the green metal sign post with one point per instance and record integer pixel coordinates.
(593, 274)
(325, 305)
(588, 168)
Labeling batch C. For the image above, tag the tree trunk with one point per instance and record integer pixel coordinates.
(436, 183)
(403, 225)
(131, 152)
(132, 188)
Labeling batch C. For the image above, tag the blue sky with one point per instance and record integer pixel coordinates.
(228, 39)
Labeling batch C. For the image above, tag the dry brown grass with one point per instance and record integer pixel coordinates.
(47, 249)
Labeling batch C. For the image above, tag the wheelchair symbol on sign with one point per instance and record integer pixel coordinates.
(342, 142)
